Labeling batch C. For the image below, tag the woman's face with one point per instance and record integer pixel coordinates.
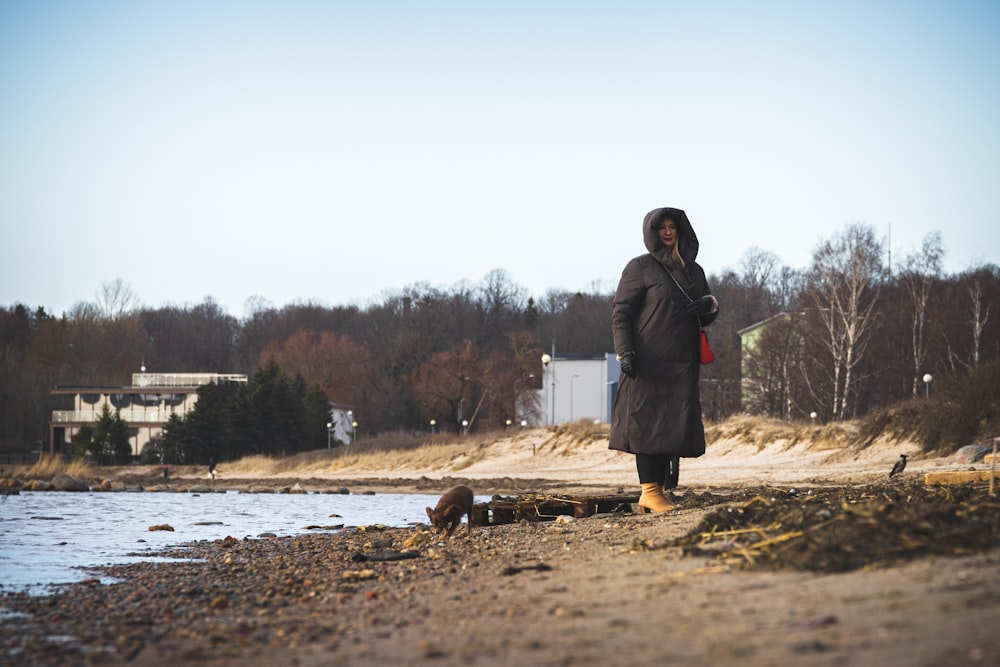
(668, 233)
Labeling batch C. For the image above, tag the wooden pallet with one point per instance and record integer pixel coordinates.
(537, 507)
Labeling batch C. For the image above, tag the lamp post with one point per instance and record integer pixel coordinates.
(329, 432)
(354, 431)
(812, 416)
(465, 427)
(549, 417)
(433, 426)
(927, 385)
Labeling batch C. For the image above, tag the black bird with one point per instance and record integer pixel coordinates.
(899, 467)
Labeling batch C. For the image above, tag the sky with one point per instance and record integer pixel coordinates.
(338, 152)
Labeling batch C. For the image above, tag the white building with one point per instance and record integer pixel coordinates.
(145, 406)
(579, 387)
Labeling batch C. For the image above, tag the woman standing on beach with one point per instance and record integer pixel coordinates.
(661, 301)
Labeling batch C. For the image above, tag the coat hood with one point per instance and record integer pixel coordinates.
(686, 238)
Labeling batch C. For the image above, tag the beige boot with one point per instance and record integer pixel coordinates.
(652, 499)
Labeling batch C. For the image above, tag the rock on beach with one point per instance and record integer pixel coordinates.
(64, 482)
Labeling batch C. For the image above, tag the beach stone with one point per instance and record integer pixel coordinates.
(37, 485)
(162, 526)
(64, 482)
(971, 453)
(297, 489)
(420, 539)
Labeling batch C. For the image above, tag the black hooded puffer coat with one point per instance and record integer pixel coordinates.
(659, 411)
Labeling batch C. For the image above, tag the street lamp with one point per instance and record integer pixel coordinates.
(329, 432)
(508, 423)
(433, 426)
(550, 416)
(812, 416)
(465, 427)
(354, 431)
(927, 385)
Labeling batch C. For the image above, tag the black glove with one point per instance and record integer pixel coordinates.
(702, 306)
(628, 365)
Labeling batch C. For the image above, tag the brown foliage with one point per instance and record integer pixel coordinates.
(343, 367)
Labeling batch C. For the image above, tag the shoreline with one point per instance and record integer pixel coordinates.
(788, 552)
(611, 589)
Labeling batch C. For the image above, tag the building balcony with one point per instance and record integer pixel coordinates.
(130, 416)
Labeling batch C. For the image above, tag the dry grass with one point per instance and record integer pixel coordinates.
(387, 452)
(425, 457)
(765, 432)
(48, 467)
(572, 437)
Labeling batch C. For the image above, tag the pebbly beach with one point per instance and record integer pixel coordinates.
(799, 568)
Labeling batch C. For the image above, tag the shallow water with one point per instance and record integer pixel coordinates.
(49, 538)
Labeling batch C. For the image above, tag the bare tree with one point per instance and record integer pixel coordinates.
(979, 309)
(116, 300)
(758, 279)
(844, 284)
(767, 367)
(919, 274)
(502, 302)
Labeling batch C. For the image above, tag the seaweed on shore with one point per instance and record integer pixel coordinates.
(843, 529)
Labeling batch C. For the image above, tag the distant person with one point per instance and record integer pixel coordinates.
(661, 301)
(166, 472)
(211, 468)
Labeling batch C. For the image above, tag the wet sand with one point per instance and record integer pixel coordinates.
(611, 589)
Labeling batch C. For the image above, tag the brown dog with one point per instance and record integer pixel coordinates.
(447, 516)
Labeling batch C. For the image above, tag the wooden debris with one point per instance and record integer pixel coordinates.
(956, 477)
(544, 507)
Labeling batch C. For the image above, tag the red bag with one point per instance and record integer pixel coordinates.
(706, 352)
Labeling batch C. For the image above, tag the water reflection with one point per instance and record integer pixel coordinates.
(45, 538)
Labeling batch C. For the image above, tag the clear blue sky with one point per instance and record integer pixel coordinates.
(337, 151)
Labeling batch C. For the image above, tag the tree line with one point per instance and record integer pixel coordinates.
(846, 335)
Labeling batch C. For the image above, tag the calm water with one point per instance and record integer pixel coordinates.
(47, 538)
